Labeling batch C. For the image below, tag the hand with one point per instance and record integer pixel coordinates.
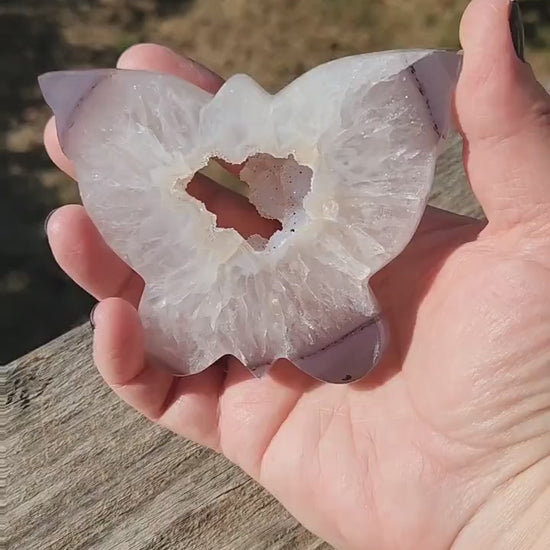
(447, 443)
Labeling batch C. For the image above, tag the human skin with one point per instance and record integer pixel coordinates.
(446, 444)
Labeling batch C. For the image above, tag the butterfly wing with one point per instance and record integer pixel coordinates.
(375, 124)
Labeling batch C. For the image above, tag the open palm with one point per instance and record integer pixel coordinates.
(436, 441)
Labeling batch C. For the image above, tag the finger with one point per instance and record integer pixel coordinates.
(119, 354)
(53, 148)
(82, 253)
(504, 115)
(188, 405)
(159, 59)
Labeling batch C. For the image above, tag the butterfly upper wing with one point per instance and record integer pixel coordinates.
(372, 127)
(121, 129)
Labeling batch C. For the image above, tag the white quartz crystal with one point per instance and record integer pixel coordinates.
(344, 157)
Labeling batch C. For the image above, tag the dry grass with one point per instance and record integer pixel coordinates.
(275, 40)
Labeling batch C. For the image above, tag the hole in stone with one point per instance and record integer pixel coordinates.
(267, 196)
(225, 175)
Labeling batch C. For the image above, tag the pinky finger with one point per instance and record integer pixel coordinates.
(120, 357)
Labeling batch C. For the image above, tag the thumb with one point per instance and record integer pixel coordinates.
(504, 116)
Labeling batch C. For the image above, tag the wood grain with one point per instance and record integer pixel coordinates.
(85, 471)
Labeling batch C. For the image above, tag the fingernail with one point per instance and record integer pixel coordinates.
(517, 29)
(48, 219)
(92, 322)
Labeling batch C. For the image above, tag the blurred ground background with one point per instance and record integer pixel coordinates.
(272, 40)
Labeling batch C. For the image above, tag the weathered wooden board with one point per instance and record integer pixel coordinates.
(85, 471)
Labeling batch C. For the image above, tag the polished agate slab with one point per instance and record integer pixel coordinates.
(344, 157)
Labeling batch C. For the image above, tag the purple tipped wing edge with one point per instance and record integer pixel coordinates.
(351, 357)
(64, 91)
(436, 76)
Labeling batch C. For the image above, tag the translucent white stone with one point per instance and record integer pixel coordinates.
(358, 138)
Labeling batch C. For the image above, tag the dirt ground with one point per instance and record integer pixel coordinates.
(272, 40)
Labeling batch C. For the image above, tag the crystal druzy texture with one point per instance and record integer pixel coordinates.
(344, 157)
